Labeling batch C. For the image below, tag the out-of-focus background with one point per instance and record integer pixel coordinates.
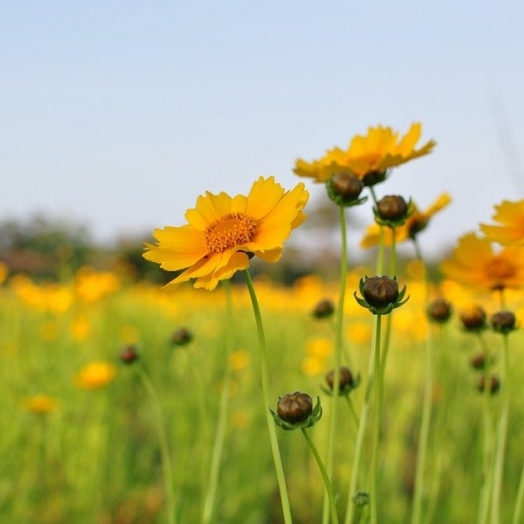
(115, 116)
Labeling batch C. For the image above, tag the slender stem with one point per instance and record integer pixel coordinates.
(279, 469)
(364, 414)
(337, 357)
(325, 477)
(426, 410)
(218, 444)
(487, 470)
(162, 441)
(354, 415)
(502, 431)
(376, 423)
(520, 499)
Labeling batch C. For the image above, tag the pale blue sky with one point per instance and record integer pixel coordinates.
(120, 113)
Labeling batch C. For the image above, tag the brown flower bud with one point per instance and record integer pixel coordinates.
(374, 177)
(494, 384)
(295, 407)
(392, 207)
(324, 309)
(379, 292)
(478, 361)
(473, 318)
(181, 337)
(439, 310)
(503, 321)
(129, 354)
(347, 186)
(345, 380)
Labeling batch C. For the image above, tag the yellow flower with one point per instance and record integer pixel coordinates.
(414, 224)
(475, 264)
(40, 404)
(95, 375)
(223, 232)
(371, 154)
(510, 215)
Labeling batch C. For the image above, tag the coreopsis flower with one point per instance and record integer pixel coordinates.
(416, 222)
(510, 216)
(296, 410)
(224, 232)
(368, 157)
(95, 375)
(40, 404)
(474, 263)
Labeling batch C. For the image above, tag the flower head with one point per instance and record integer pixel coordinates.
(224, 232)
(474, 263)
(416, 222)
(40, 404)
(295, 410)
(95, 375)
(368, 157)
(510, 216)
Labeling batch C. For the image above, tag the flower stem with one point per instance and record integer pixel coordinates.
(162, 441)
(337, 357)
(218, 445)
(377, 385)
(325, 477)
(279, 469)
(502, 430)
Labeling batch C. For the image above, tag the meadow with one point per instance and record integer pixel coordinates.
(89, 453)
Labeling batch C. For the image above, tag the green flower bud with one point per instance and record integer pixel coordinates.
(439, 310)
(380, 294)
(347, 382)
(181, 337)
(344, 189)
(324, 309)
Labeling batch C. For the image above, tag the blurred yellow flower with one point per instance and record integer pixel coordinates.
(92, 285)
(359, 333)
(80, 329)
(313, 366)
(319, 347)
(223, 232)
(95, 375)
(239, 359)
(414, 224)
(510, 216)
(368, 155)
(40, 404)
(475, 264)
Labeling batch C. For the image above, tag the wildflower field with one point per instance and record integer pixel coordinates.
(382, 396)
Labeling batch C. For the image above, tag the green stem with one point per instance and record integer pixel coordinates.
(487, 470)
(325, 477)
(354, 415)
(502, 431)
(218, 444)
(426, 410)
(279, 469)
(376, 424)
(337, 357)
(162, 441)
(359, 444)
(520, 499)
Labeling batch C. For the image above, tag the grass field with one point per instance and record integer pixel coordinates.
(85, 449)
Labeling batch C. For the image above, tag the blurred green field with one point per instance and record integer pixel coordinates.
(88, 453)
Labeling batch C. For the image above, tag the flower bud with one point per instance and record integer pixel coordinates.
(380, 291)
(360, 499)
(295, 410)
(181, 337)
(295, 407)
(374, 177)
(439, 310)
(392, 207)
(128, 354)
(494, 384)
(347, 382)
(324, 309)
(503, 322)
(344, 189)
(380, 294)
(473, 318)
(478, 361)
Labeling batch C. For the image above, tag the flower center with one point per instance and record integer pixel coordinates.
(500, 270)
(228, 231)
